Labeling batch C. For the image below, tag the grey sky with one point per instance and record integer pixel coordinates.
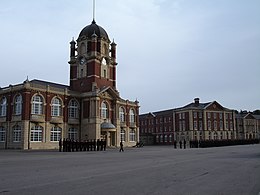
(169, 51)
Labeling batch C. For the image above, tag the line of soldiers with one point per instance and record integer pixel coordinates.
(180, 142)
(68, 145)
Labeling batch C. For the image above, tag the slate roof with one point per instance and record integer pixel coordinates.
(40, 82)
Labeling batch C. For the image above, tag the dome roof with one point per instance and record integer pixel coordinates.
(93, 28)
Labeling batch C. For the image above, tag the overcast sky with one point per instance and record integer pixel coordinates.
(168, 51)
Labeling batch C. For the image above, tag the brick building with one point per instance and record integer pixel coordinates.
(36, 114)
(195, 121)
(248, 125)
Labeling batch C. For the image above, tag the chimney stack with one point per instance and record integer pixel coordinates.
(197, 101)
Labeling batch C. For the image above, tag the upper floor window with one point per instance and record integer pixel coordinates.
(37, 104)
(18, 104)
(132, 116)
(56, 107)
(3, 105)
(73, 109)
(104, 110)
(195, 115)
(209, 114)
(122, 114)
(17, 133)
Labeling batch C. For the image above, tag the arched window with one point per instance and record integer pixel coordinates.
(56, 107)
(55, 134)
(18, 104)
(3, 105)
(122, 135)
(73, 109)
(37, 104)
(36, 133)
(122, 114)
(104, 110)
(132, 116)
(73, 133)
(17, 133)
(2, 134)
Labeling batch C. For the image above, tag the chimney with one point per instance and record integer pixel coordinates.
(197, 101)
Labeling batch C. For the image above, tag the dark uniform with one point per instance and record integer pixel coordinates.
(121, 147)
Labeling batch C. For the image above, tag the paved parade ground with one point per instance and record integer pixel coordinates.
(148, 170)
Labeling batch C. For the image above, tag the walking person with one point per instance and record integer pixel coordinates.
(121, 147)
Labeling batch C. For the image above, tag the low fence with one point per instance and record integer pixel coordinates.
(219, 143)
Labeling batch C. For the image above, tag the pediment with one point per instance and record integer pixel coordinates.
(214, 106)
(249, 116)
(109, 93)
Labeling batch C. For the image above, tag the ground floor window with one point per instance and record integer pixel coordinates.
(72, 133)
(157, 138)
(55, 134)
(165, 138)
(161, 138)
(122, 135)
(132, 135)
(170, 138)
(2, 134)
(36, 134)
(17, 133)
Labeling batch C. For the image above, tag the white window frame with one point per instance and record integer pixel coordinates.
(73, 109)
(122, 114)
(3, 106)
(131, 116)
(18, 104)
(37, 104)
(2, 134)
(55, 134)
(36, 134)
(122, 135)
(17, 133)
(104, 110)
(73, 133)
(132, 137)
(56, 106)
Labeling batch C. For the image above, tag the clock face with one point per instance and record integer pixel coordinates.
(82, 61)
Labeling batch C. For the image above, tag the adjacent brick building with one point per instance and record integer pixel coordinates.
(195, 121)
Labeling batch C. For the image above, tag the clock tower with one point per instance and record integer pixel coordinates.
(92, 60)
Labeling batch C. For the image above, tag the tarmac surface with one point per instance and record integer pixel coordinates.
(149, 170)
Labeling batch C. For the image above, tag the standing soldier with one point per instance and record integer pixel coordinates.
(64, 147)
(60, 145)
(105, 144)
(175, 144)
(180, 144)
(184, 144)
